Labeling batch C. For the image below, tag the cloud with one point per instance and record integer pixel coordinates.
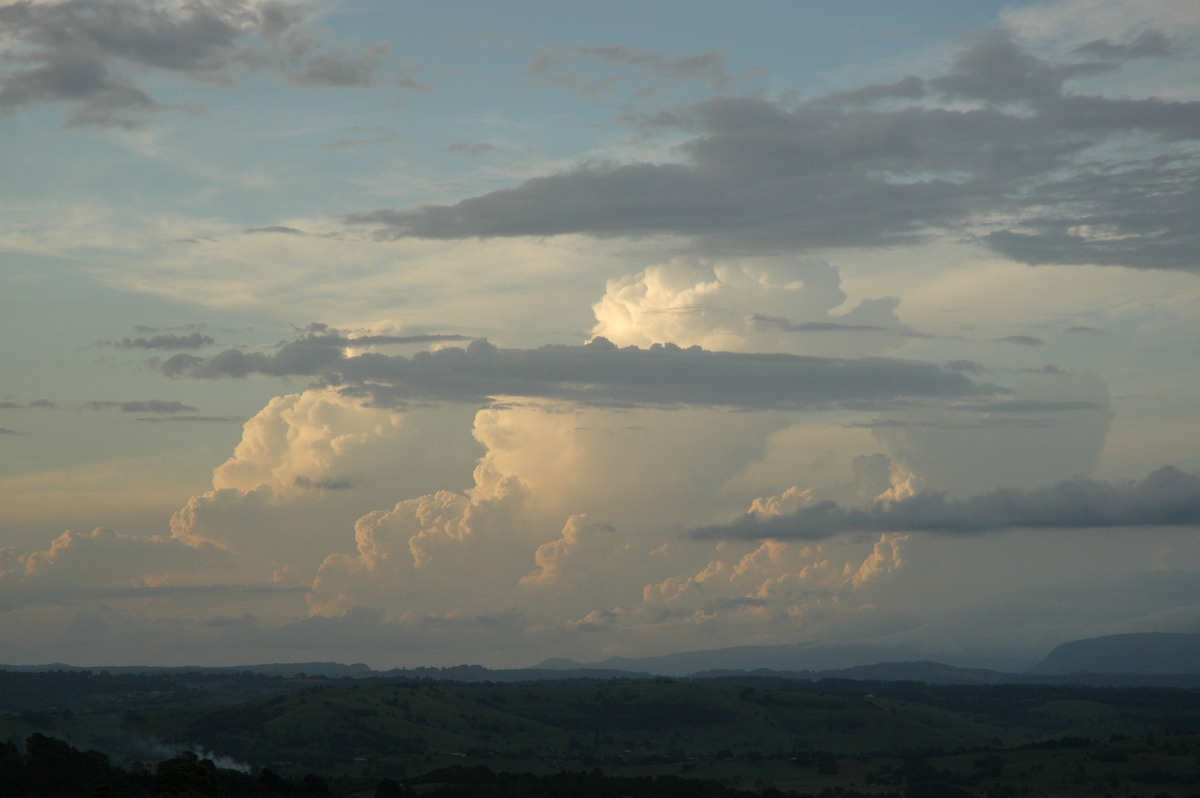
(551, 558)
(204, 419)
(150, 406)
(996, 70)
(384, 137)
(1081, 23)
(1052, 426)
(596, 373)
(167, 341)
(441, 552)
(998, 133)
(655, 70)
(745, 305)
(1166, 497)
(474, 148)
(277, 229)
(316, 349)
(1022, 340)
(307, 467)
(85, 52)
(1035, 406)
(1146, 44)
(340, 68)
(101, 557)
(540, 533)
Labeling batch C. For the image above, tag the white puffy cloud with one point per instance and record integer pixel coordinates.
(573, 524)
(643, 467)
(552, 560)
(101, 558)
(300, 441)
(746, 305)
(308, 466)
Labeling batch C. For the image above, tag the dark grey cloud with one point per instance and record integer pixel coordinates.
(908, 88)
(44, 404)
(314, 352)
(323, 484)
(710, 65)
(165, 341)
(553, 63)
(1166, 497)
(10, 405)
(982, 424)
(6, 431)
(595, 373)
(995, 135)
(384, 137)
(1034, 406)
(1115, 213)
(280, 229)
(997, 70)
(473, 148)
(763, 321)
(969, 366)
(785, 325)
(150, 406)
(1147, 44)
(341, 68)
(1022, 340)
(85, 52)
(146, 329)
(203, 419)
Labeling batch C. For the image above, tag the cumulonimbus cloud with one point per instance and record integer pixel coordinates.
(1166, 497)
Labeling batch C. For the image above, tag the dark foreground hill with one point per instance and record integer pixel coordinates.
(737, 731)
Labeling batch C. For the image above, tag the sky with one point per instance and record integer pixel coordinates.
(423, 334)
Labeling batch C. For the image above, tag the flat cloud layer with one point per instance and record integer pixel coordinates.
(596, 373)
(1166, 497)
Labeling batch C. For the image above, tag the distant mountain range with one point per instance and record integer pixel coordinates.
(794, 658)
(1153, 653)
(1153, 659)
